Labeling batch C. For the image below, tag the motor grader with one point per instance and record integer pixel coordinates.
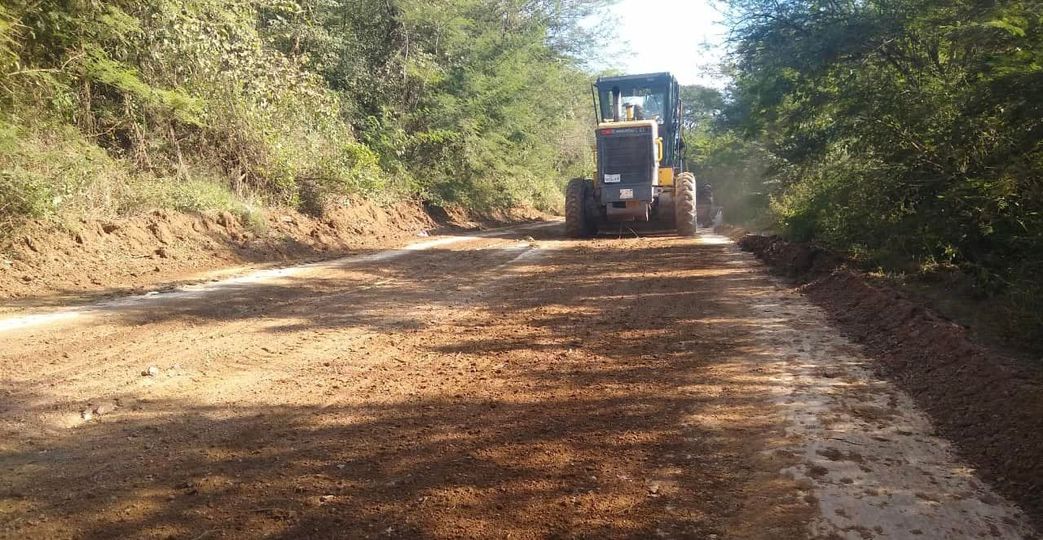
(640, 174)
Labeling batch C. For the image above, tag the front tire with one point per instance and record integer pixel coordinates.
(684, 204)
(578, 222)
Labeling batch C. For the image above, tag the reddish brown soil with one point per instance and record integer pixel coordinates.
(134, 253)
(515, 384)
(45, 263)
(509, 387)
(988, 404)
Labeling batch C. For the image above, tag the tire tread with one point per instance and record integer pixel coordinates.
(577, 222)
(685, 205)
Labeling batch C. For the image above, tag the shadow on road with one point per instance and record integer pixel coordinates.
(597, 389)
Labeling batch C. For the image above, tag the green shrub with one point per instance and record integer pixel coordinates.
(184, 104)
(24, 194)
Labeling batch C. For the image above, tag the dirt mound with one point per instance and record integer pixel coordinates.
(45, 260)
(731, 231)
(459, 218)
(989, 405)
(791, 259)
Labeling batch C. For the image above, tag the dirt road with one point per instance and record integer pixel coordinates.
(514, 385)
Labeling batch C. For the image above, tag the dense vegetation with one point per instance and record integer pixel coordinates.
(109, 106)
(905, 132)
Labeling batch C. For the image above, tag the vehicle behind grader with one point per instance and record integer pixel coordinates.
(640, 174)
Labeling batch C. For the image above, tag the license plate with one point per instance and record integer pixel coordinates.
(626, 194)
(612, 178)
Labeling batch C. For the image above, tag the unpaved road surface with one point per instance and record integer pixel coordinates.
(514, 385)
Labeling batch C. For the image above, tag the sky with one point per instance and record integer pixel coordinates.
(684, 37)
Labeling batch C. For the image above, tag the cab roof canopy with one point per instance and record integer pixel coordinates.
(644, 78)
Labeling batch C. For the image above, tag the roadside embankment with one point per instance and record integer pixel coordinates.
(990, 405)
(46, 263)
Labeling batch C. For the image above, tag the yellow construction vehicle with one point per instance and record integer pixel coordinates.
(640, 159)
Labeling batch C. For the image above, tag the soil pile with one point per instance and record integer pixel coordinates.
(47, 263)
(990, 405)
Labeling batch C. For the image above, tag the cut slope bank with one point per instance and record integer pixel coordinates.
(45, 263)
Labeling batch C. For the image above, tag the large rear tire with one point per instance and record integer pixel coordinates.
(684, 204)
(578, 221)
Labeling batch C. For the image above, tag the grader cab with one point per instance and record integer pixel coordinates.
(640, 174)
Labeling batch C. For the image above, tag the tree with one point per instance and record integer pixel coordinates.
(901, 130)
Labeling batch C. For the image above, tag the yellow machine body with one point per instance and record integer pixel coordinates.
(666, 176)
